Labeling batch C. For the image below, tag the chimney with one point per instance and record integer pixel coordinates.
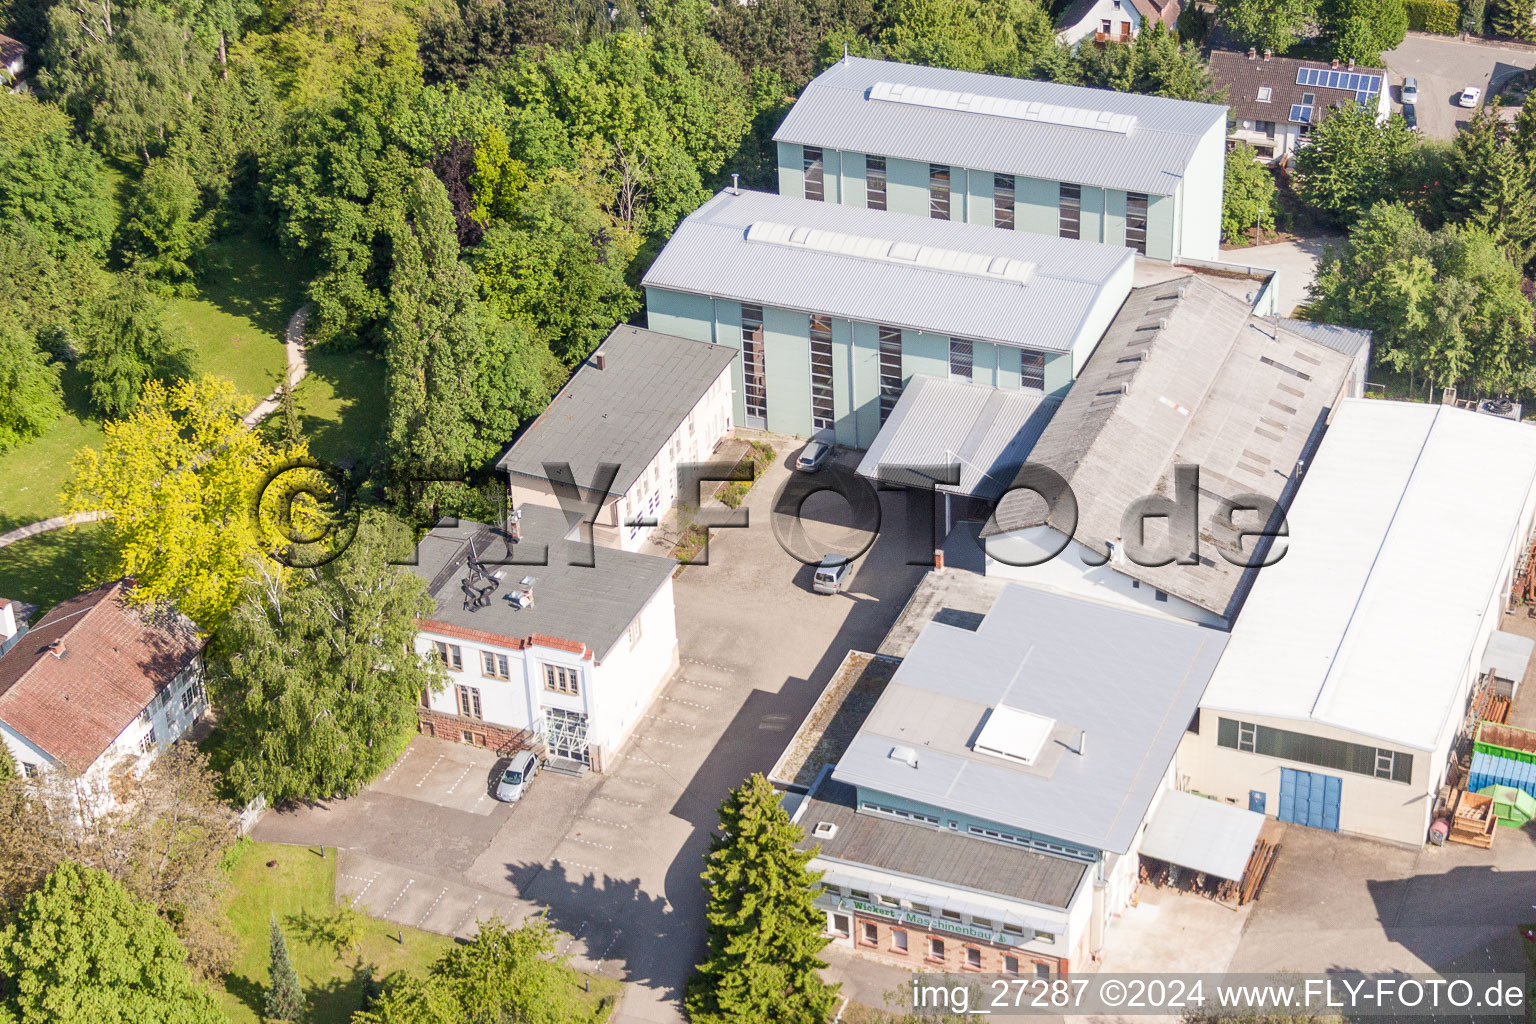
(1268, 53)
(1335, 62)
(735, 184)
(600, 359)
(57, 648)
(7, 620)
(1252, 53)
(938, 558)
(1351, 65)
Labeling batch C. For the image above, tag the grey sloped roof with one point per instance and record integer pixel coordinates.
(1120, 686)
(1349, 340)
(985, 432)
(710, 254)
(922, 852)
(835, 111)
(623, 414)
(588, 604)
(1186, 374)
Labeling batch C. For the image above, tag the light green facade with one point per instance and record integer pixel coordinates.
(1037, 201)
(855, 361)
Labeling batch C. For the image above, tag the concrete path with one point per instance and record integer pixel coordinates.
(297, 368)
(1295, 262)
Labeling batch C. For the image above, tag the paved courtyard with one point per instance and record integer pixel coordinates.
(1444, 66)
(615, 859)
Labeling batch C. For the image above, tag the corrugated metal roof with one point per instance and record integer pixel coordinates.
(710, 254)
(985, 432)
(1186, 374)
(1398, 542)
(1121, 686)
(1202, 834)
(623, 414)
(835, 111)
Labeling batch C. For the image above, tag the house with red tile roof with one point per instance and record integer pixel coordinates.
(1114, 21)
(95, 681)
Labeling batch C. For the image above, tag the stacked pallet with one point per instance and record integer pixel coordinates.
(1474, 821)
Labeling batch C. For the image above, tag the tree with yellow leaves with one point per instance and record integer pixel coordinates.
(179, 480)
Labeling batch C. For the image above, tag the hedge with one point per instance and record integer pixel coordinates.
(1438, 16)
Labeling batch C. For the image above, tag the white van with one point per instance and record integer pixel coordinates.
(830, 574)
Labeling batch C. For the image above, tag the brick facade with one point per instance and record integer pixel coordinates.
(500, 738)
(919, 952)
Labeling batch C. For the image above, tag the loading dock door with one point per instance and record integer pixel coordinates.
(1310, 798)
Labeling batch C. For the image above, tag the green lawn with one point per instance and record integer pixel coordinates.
(342, 405)
(235, 326)
(50, 567)
(291, 881)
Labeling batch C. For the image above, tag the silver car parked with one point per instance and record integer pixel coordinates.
(515, 780)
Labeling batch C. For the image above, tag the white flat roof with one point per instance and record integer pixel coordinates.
(1202, 834)
(1398, 538)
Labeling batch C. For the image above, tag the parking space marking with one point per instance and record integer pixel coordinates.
(667, 743)
(408, 883)
(562, 861)
(706, 664)
(368, 884)
(572, 938)
(680, 700)
(602, 821)
(588, 842)
(671, 721)
(609, 948)
(434, 905)
(616, 800)
(647, 760)
(467, 769)
(428, 771)
(396, 767)
(635, 782)
(468, 915)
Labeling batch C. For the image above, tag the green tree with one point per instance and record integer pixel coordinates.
(1511, 18)
(412, 999)
(179, 477)
(1491, 179)
(8, 771)
(127, 342)
(1379, 279)
(1361, 30)
(764, 931)
(1266, 24)
(284, 997)
(81, 950)
(785, 37)
(1000, 37)
(1155, 63)
(231, 127)
(559, 265)
(1351, 162)
(315, 672)
(162, 235)
(30, 395)
(318, 46)
(1249, 196)
(50, 181)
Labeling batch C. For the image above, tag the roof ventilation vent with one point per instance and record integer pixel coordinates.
(1013, 734)
(824, 830)
(906, 755)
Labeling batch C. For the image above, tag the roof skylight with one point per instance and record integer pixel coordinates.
(954, 261)
(997, 106)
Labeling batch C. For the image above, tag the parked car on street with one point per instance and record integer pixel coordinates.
(813, 456)
(1410, 94)
(830, 574)
(517, 776)
(1469, 96)
(1410, 116)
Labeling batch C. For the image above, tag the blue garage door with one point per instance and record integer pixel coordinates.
(1310, 798)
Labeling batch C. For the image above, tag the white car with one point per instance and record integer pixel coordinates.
(517, 776)
(1410, 91)
(1469, 96)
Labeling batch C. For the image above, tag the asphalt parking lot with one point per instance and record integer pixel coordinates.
(1444, 66)
(614, 860)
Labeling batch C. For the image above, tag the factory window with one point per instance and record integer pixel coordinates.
(1032, 370)
(898, 941)
(895, 812)
(961, 357)
(753, 373)
(950, 915)
(871, 934)
(815, 180)
(494, 665)
(1002, 201)
(938, 192)
(935, 949)
(1136, 221)
(973, 958)
(469, 701)
(874, 182)
(559, 679)
(450, 655)
(1315, 750)
(890, 370)
(822, 417)
(1069, 222)
(1010, 965)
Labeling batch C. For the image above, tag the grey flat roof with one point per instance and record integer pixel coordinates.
(836, 111)
(1349, 340)
(1120, 686)
(985, 432)
(710, 254)
(593, 605)
(1185, 374)
(623, 414)
(922, 852)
